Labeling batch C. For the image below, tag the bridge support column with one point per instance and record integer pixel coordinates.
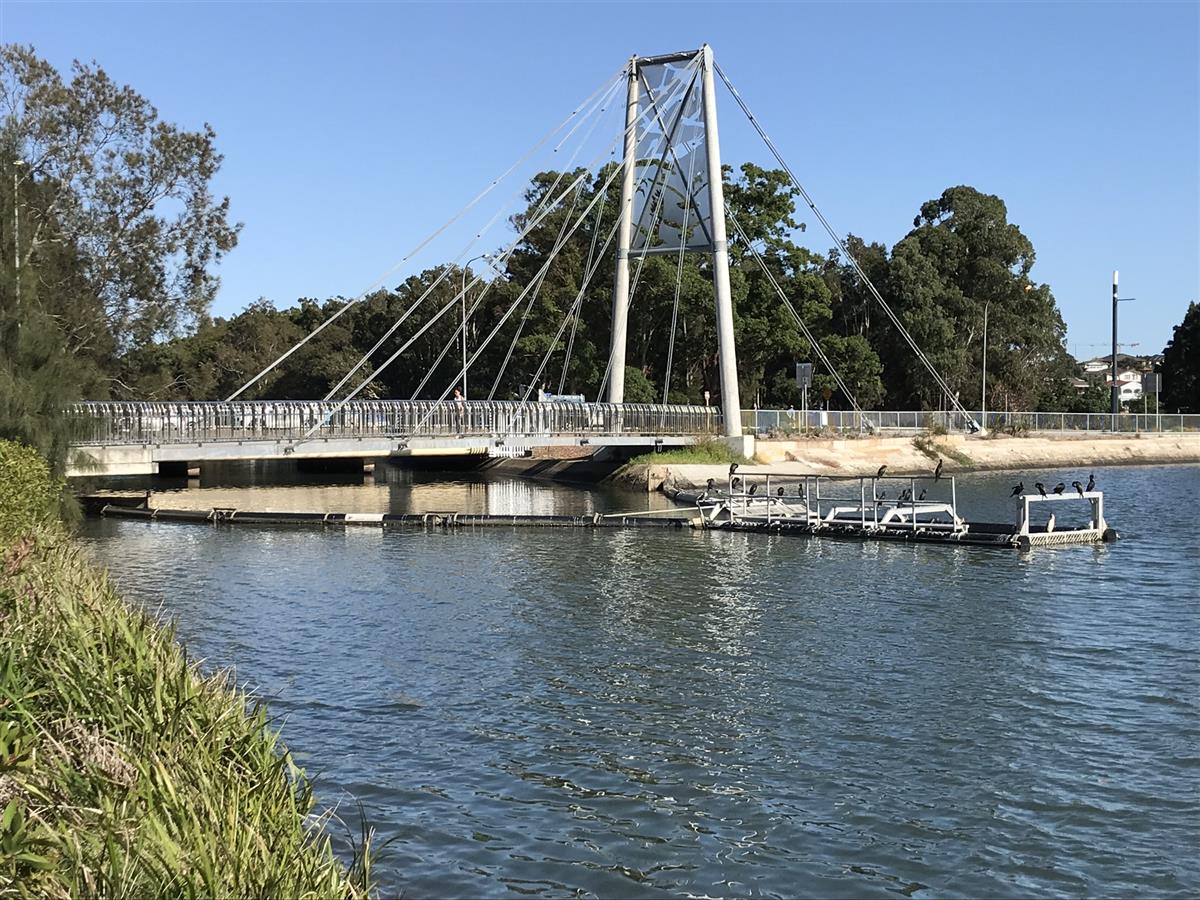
(620, 311)
(731, 405)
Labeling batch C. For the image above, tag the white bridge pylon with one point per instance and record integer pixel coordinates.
(692, 136)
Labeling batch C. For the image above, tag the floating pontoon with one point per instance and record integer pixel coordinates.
(860, 507)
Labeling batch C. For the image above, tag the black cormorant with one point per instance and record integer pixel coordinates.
(1041, 488)
(882, 469)
(937, 473)
(923, 492)
(1059, 488)
(1018, 489)
(1091, 485)
(1078, 486)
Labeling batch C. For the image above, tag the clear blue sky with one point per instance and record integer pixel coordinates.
(349, 129)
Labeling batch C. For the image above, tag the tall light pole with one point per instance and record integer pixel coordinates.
(466, 268)
(983, 389)
(1116, 385)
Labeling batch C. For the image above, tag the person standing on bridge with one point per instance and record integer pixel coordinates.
(460, 411)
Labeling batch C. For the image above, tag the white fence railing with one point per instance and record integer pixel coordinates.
(766, 421)
(102, 423)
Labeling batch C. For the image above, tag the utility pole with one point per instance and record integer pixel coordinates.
(1116, 387)
(983, 389)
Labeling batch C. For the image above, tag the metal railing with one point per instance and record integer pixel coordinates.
(101, 423)
(784, 421)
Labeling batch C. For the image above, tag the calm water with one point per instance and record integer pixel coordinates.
(644, 713)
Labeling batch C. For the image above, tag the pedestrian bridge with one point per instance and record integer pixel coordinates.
(146, 438)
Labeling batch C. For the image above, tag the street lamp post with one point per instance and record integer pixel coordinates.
(983, 388)
(1116, 385)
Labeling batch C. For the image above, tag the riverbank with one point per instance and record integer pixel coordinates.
(126, 772)
(918, 456)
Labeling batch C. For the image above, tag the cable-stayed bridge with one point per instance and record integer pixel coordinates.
(671, 203)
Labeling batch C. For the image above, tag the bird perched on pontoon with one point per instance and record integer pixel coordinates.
(1018, 490)
(1041, 488)
(1091, 485)
(1059, 488)
(882, 469)
(937, 473)
(711, 483)
(1078, 486)
(779, 491)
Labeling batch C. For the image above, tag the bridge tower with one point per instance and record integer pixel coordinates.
(671, 142)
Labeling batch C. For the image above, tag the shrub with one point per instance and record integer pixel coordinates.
(29, 496)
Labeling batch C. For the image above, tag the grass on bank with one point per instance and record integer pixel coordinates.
(707, 452)
(124, 771)
(929, 446)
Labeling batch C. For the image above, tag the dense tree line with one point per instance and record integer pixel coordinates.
(109, 237)
(961, 255)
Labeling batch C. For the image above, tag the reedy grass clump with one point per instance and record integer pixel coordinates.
(125, 771)
(706, 452)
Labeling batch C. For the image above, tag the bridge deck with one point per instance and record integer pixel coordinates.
(133, 438)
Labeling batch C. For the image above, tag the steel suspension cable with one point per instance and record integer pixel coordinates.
(604, 91)
(450, 305)
(577, 306)
(657, 198)
(467, 249)
(920, 354)
(813, 342)
(683, 236)
(512, 346)
(545, 266)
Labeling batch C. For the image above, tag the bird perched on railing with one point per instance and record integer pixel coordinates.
(1041, 488)
(1078, 486)
(779, 491)
(736, 483)
(1019, 489)
(882, 469)
(1091, 485)
(905, 496)
(937, 472)
(753, 490)
(923, 493)
(1059, 488)
(732, 468)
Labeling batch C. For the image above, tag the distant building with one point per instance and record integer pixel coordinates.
(1129, 383)
(1100, 364)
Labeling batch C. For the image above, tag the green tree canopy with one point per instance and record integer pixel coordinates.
(1181, 365)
